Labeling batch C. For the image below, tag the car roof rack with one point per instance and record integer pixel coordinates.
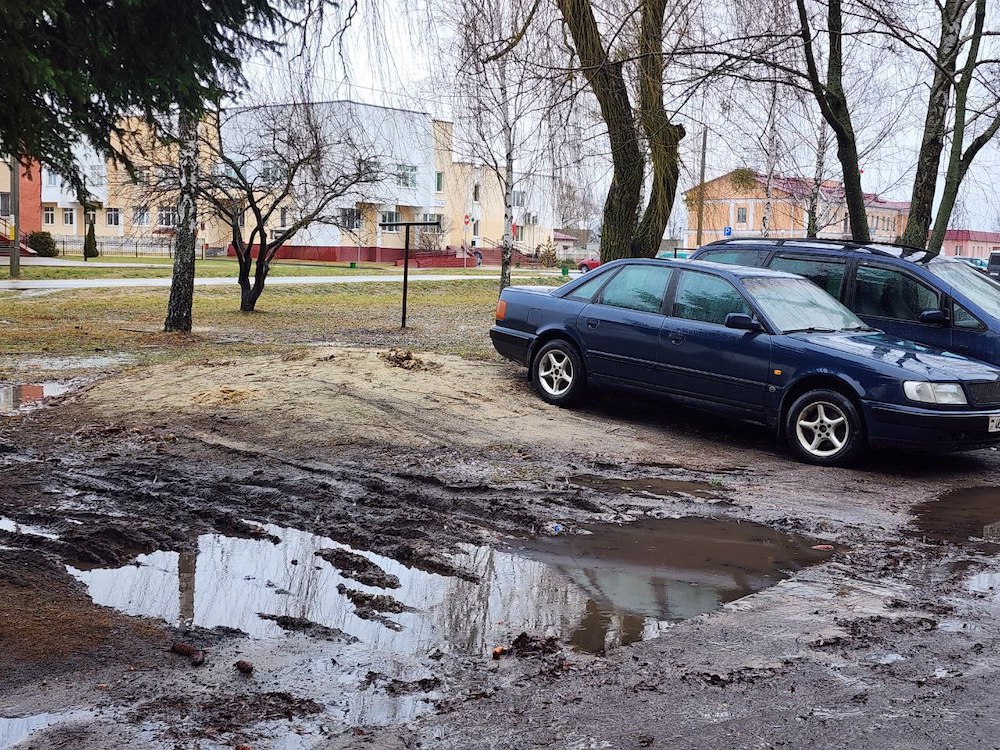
(903, 251)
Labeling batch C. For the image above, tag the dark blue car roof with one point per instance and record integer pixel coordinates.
(886, 251)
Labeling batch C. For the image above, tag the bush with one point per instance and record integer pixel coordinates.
(43, 244)
(547, 254)
(90, 244)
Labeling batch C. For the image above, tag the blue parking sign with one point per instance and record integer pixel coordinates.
(727, 232)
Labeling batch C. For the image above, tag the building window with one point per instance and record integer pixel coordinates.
(350, 218)
(166, 216)
(140, 216)
(475, 193)
(4, 204)
(741, 215)
(49, 215)
(51, 178)
(272, 172)
(142, 176)
(519, 233)
(91, 217)
(113, 217)
(284, 218)
(846, 227)
(390, 217)
(69, 217)
(439, 181)
(475, 228)
(517, 199)
(406, 174)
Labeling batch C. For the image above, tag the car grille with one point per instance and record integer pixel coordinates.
(985, 394)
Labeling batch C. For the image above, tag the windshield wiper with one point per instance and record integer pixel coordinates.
(811, 329)
(860, 329)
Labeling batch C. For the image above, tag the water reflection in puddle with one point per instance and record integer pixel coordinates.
(18, 397)
(14, 731)
(961, 516)
(614, 586)
(9, 524)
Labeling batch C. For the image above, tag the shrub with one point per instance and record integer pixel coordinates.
(43, 244)
(90, 244)
(547, 254)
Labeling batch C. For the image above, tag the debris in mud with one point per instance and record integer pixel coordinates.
(360, 568)
(529, 645)
(379, 602)
(195, 655)
(823, 547)
(407, 360)
(314, 629)
(244, 667)
(394, 686)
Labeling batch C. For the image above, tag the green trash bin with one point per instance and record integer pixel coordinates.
(354, 264)
(565, 270)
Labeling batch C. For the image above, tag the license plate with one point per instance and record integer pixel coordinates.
(994, 424)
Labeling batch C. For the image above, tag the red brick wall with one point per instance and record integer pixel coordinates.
(31, 199)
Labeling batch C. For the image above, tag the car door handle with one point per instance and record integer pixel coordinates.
(592, 322)
(676, 338)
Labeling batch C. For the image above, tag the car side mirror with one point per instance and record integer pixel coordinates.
(743, 322)
(933, 317)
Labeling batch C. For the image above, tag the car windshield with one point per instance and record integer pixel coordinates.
(799, 305)
(979, 288)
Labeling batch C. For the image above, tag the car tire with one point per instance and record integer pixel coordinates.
(824, 427)
(584, 268)
(557, 373)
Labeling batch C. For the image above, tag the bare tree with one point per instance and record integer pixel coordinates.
(181, 302)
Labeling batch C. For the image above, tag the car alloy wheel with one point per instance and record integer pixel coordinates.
(555, 372)
(822, 429)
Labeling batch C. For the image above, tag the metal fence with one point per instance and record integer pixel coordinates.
(137, 248)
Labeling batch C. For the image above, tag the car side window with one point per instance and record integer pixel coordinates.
(736, 256)
(827, 274)
(886, 293)
(707, 298)
(638, 287)
(962, 318)
(586, 291)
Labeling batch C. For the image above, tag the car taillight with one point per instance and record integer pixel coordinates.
(501, 309)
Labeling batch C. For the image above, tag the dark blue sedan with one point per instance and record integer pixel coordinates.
(760, 345)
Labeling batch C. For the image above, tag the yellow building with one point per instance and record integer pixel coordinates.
(735, 205)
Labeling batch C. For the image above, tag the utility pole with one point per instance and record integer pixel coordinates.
(701, 187)
(15, 210)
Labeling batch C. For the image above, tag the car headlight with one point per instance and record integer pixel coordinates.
(934, 393)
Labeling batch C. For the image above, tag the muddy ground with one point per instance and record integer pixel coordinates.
(366, 528)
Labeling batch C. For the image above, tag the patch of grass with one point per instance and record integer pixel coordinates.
(444, 317)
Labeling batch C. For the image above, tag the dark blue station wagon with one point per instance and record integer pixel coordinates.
(760, 345)
(941, 302)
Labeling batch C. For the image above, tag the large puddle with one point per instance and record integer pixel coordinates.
(365, 647)
(961, 516)
(610, 586)
(18, 397)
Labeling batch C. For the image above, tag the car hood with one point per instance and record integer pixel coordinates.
(920, 362)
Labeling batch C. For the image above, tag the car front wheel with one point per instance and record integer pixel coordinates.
(824, 427)
(584, 268)
(557, 373)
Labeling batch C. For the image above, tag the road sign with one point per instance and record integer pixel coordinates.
(468, 219)
(727, 232)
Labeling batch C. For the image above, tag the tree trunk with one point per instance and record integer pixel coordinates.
(771, 164)
(959, 159)
(935, 125)
(621, 209)
(181, 302)
(833, 105)
(663, 136)
(507, 253)
(812, 210)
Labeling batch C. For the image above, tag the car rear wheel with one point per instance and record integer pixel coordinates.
(824, 427)
(557, 373)
(584, 267)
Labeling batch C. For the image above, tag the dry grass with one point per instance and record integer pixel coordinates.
(444, 317)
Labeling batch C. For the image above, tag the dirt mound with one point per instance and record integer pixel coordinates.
(359, 568)
(408, 360)
(224, 396)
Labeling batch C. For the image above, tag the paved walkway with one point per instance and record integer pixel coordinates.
(20, 284)
(65, 263)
